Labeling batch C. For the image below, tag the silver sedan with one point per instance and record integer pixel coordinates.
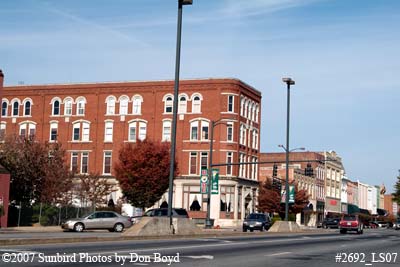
(109, 220)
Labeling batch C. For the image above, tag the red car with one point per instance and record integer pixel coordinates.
(351, 223)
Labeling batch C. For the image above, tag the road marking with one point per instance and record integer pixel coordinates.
(208, 257)
(278, 254)
(368, 264)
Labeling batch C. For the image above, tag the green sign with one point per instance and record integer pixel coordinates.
(215, 181)
(291, 194)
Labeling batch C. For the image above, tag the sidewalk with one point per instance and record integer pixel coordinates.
(31, 229)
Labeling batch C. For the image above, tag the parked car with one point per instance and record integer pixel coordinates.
(109, 220)
(330, 223)
(396, 225)
(351, 223)
(380, 223)
(163, 212)
(256, 221)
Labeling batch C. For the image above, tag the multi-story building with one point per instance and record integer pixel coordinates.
(93, 120)
(314, 185)
(362, 195)
(334, 173)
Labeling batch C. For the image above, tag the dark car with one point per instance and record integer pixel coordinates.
(161, 212)
(256, 221)
(330, 223)
(351, 223)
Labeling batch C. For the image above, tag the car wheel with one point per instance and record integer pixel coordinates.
(251, 230)
(342, 231)
(325, 226)
(79, 227)
(244, 229)
(119, 227)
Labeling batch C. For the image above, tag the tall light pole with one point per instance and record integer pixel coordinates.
(208, 224)
(175, 107)
(288, 82)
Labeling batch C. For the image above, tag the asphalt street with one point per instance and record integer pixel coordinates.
(376, 247)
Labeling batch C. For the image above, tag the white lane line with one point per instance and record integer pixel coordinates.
(278, 254)
(208, 257)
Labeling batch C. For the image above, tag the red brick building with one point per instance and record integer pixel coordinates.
(93, 120)
(314, 185)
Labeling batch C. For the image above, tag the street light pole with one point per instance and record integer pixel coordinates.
(175, 107)
(208, 224)
(288, 82)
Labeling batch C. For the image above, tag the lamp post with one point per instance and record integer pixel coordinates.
(288, 82)
(175, 107)
(208, 224)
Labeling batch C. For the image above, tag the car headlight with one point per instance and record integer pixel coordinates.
(245, 223)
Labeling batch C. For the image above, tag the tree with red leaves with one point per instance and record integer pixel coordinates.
(143, 172)
(269, 199)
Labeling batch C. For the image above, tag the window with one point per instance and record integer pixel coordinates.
(15, 108)
(132, 132)
(253, 112)
(166, 131)
(2, 131)
(68, 106)
(182, 105)
(257, 112)
(168, 103)
(110, 102)
(27, 129)
(196, 104)
(142, 131)
(229, 132)
(229, 156)
(81, 106)
(107, 162)
(74, 162)
(203, 160)
(108, 131)
(137, 104)
(242, 101)
(194, 128)
(81, 127)
(56, 107)
(193, 163)
(85, 163)
(230, 103)
(123, 105)
(27, 108)
(53, 131)
(85, 131)
(4, 109)
(204, 130)
(76, 132)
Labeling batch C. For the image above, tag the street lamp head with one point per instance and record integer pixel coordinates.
(288, 81)
(186, 2)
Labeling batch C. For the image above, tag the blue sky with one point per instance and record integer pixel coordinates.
(343, 54)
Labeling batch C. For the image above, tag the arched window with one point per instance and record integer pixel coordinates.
(123, 105)
(27, 129)
(4, 108)
(182, 108)
(15, 106)
(137, 104)
(27, 108)
(53, 131)
(81, 131)
(110, 102)
(242, 101)
(168, 103)
(80, 109)
(196, 103)
(68, 106)
(56, 107)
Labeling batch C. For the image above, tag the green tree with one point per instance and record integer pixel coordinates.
(396, 193)
(143, 172)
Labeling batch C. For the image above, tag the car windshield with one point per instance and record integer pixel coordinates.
(256, 216)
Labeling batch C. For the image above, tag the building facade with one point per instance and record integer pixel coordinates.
(334, 174)
(93, 120)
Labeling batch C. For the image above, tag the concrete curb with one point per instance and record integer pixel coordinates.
(206, 233)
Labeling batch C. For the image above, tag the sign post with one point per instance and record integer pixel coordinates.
(215, 182)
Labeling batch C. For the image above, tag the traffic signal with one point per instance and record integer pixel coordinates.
(308, 171)
(275, 171)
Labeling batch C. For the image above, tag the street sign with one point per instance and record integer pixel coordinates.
(215, 182)
(291, 194)
(204, 181)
